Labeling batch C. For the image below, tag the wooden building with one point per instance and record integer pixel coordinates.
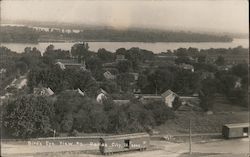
(126, 142)
(235, 130)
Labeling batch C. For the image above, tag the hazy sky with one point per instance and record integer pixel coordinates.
(206, 15)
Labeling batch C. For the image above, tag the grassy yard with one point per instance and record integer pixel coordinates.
(201, 122)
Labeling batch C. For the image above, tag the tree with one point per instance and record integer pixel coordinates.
(94, 64)
(161, 80)
(220, 61)
(124, 66)
(109, 86)
(80, 51)
(143, 83)
(29, 116)
(183, 59)
(160, 111)
(176, 103)
(22, 67)
(240, 70)
(50, 48)
(208, 89)
(186, 82)
(54, 54)
(201, 59)
(120, 51)
(105, 55)
(124, 80)
(77, 112)
(239, 97)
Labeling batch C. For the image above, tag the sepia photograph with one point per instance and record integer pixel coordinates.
(143, 78)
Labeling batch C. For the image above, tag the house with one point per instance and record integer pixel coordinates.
(206, 74)
(77, 91)
(120, 57)
(70, 63)
(148, 97)
(109, 65)
(43, 91)
(101, 96)
(187, 67)
(136, 76)
(225, 67)
(82, 93)
(108, 75)
(137, 90)
(169, 97)
(238, 83)
(2, 71)
(17, 83)
(121, 143)
(121, 102)
(235, 130)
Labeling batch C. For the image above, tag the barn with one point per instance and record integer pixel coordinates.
(126, 142)
(235, 130)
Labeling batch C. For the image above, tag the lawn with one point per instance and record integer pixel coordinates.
(201, 122)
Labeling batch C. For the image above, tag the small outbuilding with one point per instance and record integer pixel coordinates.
(126, 142)
(235, 130)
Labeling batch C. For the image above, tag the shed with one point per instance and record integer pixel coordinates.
(126, 142)
(235, 130)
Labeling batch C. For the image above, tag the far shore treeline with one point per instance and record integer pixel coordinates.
(26, 114)
(23, 34)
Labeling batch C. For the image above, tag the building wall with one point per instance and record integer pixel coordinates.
(235, 132)
(232, 132)
(115, 145)
(169, 100)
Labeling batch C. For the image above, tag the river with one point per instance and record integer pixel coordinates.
(157, 47)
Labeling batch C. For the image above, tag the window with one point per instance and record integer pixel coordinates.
(126, 143)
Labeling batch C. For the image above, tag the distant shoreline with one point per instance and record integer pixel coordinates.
(76, 41)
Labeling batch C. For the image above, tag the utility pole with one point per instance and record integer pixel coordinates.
(190, 131)
(156, 92)
(190, 137)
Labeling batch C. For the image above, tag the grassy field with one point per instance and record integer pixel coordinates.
(223, 112)
(201, 122)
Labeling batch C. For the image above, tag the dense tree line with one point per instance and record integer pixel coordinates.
(59, 80)
(26, 34)
(225, 83)
(36, 116)
(134, 35)
(18, 34)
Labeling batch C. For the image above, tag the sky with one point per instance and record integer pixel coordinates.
(202, 15)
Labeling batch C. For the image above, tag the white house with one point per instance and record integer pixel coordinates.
(108, 75)
(169, 97)
(43, 91)
(101, 96)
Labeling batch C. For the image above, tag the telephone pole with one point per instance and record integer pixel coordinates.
(190, 137)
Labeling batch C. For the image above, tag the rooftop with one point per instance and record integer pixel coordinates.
(237, 125)
(125, 136)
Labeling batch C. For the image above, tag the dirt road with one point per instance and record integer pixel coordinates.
(211, 148)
